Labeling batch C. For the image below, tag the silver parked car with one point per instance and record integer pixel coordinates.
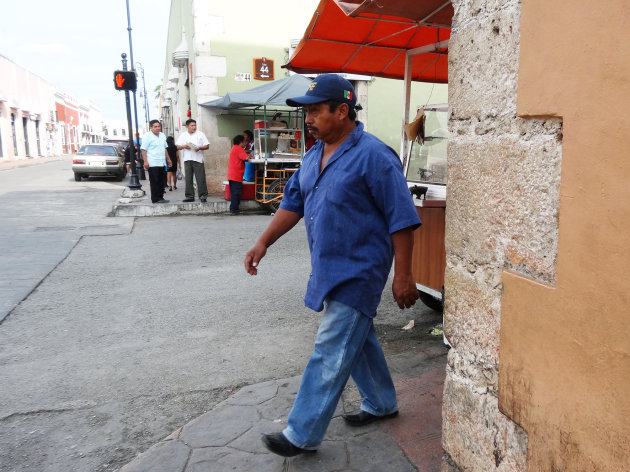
(99, 159)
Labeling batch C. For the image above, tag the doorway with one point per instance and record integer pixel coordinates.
(25, 127)
(15, 149)
(39, 146)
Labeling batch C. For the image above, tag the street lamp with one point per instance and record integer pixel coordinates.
(144, 94)
(135, 108)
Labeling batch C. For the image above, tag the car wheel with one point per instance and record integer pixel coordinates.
(77, 177)
(120, 177)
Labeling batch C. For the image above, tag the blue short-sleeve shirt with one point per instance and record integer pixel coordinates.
(155, 146)
(350, 210)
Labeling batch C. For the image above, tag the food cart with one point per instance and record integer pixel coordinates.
(398, 39)
(278, 134)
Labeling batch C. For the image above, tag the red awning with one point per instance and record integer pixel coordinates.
(373, 37)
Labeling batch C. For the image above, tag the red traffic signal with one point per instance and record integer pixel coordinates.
(125, 80)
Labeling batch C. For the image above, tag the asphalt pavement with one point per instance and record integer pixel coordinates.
(145, 343)
(43, 214)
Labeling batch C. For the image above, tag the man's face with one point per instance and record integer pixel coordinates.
(321, 122)
(156, 127)
(191, 127)
(243, 144)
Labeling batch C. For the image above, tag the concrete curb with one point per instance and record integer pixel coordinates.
(215, 205)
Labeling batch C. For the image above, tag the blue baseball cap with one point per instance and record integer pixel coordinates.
(326, 87)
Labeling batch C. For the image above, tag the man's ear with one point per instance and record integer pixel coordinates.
(343, 109)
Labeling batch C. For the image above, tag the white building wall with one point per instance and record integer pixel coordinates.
(24, 101)
(30, 101)
(115, 129)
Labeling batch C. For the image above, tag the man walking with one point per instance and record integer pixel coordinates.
(155, 160)
(359, 217)
(193, 143)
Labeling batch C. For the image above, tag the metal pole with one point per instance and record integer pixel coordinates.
(134, 184)
(135, 108)
(144, 91)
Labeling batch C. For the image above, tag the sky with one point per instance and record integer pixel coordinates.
(76, 45)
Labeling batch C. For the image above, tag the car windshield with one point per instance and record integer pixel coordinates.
(98, 150)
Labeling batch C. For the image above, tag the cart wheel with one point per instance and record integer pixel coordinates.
(432, 302)
(277, 186)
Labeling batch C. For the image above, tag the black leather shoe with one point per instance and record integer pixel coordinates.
(186, 200)
(203, 199)
(280, 445)
(361, 418)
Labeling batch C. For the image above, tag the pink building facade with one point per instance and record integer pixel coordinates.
(38, 119)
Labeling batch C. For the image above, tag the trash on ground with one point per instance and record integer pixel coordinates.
(437, 330)
(408, 326)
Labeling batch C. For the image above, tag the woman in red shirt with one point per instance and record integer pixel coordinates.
(236, 168)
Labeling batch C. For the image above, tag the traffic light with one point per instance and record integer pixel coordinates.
(125, 80)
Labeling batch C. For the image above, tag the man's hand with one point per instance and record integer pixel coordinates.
(146, 165)
(253, 257)
(404, 291)
(170, 164)
(282, 222)
(404, 285)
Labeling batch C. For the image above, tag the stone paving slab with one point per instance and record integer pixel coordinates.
(229, 438)
(165, 456)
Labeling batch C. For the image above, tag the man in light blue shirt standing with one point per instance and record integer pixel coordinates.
(156, 158)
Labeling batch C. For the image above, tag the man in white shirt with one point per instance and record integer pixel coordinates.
(192, 143)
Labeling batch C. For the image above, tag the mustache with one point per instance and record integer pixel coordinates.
(311, 129)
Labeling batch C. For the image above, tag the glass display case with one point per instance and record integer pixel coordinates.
(277, 143)
(427, 162)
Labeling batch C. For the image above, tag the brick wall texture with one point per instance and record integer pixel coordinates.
(502, 214)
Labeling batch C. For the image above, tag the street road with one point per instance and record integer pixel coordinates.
(139, 327)
(43, 213)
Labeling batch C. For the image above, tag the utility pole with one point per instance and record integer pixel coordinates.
(144, 94)
(135, 109)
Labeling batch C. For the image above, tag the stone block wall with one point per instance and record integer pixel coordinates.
(501, 214)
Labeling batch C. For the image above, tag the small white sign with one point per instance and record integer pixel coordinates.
(243, 77)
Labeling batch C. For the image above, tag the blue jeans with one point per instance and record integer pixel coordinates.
(346, 345)
(236, 191)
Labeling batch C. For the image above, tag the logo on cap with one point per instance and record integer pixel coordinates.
(347, 94)
(312, 86)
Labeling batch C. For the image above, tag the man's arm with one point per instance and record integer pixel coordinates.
(281, 223)
(206, 143)
(144, 158)
(168, 158)
(404, 285)
(180, 143)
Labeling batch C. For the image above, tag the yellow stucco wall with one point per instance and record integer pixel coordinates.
(564, 365)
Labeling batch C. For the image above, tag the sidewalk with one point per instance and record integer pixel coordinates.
(142, 206)
(6, 163)
(228, 436)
